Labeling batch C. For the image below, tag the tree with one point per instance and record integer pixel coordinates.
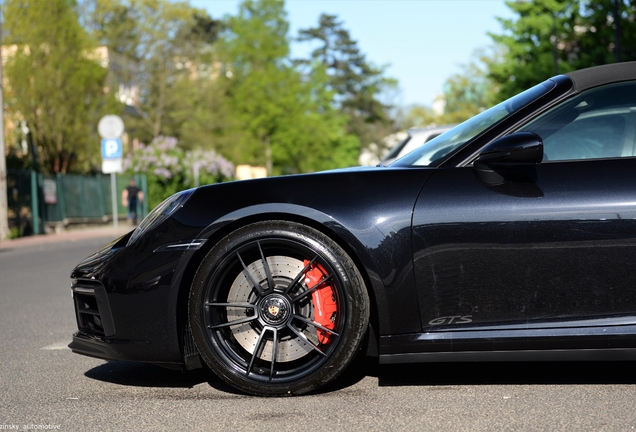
(315, 136)
(416, 116)
(203, 115)
(471, 91)
(356, 83)
(288, 117)
(555, 36)
(53, 83)
(538, 44)
(169, 44)
(114, 24)
(597, 32)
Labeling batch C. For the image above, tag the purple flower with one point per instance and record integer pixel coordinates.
(167, 160)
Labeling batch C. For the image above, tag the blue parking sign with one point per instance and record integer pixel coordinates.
(112, 148)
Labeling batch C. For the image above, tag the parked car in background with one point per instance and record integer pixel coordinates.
(415, 138)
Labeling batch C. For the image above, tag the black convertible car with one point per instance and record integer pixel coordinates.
(510, 237)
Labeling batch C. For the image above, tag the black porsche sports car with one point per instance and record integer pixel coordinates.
(510, 237)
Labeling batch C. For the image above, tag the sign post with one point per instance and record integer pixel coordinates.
(111, 129)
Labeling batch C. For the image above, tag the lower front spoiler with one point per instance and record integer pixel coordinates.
(114, 349)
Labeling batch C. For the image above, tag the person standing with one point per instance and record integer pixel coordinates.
(130, 197)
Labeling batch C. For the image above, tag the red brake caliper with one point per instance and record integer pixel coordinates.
(325, 307)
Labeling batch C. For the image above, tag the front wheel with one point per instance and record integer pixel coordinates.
(278, 308)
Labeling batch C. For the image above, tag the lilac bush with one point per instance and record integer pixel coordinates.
(211, 167)
(169, 168)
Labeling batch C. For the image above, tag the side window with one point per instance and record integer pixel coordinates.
(599, 123)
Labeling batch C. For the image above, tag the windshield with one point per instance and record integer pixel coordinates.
(436, 149)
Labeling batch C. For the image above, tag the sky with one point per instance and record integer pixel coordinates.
(423, 42)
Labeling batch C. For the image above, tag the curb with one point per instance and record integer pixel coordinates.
(66, 236)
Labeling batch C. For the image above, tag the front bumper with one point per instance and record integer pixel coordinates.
(126, 304)
(113, 349)
(95, 337)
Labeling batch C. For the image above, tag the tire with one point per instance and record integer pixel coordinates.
(277, 308)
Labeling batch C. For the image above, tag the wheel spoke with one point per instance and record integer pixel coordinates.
(235, 322)
(315, 324)
(304, 338)
(270, 279)
(249, 277)
(257, 350)
(299, 276)
(312, 289)
(240, 305)
(274, 353)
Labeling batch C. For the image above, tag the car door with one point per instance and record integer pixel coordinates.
(554, 252)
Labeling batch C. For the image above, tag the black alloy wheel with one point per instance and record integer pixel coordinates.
(278, 308)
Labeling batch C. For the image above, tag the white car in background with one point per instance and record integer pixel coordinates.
(415, 138)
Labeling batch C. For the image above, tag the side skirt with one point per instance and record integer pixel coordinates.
(519, 343)
(613, 354)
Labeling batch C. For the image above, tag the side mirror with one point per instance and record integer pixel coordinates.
(509, 157)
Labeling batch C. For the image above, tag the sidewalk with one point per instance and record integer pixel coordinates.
(72, 235)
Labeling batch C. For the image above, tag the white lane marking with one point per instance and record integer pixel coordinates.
(56, 346)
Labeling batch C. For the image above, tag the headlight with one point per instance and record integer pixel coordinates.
(161, 213)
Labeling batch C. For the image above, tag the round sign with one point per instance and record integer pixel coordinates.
(110, 126)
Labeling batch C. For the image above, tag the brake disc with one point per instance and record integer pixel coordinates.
(291, 347)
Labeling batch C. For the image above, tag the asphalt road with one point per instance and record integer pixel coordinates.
(43, 386)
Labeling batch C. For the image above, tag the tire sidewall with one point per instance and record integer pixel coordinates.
(354, 299)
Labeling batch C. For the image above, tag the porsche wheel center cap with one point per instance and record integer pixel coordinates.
(274, 309)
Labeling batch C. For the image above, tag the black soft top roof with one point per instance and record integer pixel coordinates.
(599, 75)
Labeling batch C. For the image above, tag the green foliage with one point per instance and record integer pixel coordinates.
(597, 32)
(471, 91)
(537, 44)
(204, 117)
(168, 46)
(54, 84)
(14, 233)
(416, 116)
(356, 83)
(114, 24)
(549, 37)
(288, 118)
(225, 86)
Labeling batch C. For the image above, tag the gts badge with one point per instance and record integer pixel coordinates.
(455, 319)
